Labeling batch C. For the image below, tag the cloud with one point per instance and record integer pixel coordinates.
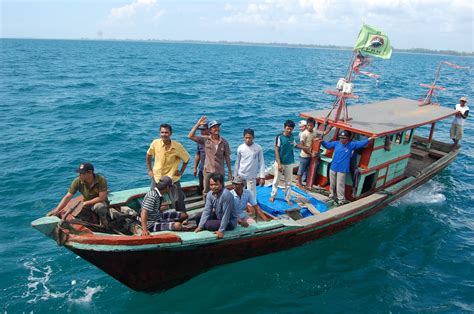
(348, 12)
(130, 10)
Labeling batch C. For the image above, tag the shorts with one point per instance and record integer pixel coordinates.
(304, 163)
(167, 221)
(456, 132)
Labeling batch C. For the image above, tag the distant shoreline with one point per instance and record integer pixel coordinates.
(283, 45)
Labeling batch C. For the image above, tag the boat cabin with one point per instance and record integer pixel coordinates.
(383, 161)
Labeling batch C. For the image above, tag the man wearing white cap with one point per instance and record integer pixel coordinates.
(302, 127)
(457, 127)
(242, 199)
(216, 147)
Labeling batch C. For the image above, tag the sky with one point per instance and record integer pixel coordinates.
(430, 24)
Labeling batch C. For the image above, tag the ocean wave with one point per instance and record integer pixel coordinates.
(178, 95)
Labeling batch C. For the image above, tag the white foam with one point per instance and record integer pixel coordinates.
(429, 193)
(37, 286)
(88, 294)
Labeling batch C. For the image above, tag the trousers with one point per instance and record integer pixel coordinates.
(337, 185)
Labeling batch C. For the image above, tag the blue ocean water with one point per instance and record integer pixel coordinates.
(64, 102)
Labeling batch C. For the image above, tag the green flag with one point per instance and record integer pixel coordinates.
(373, 42)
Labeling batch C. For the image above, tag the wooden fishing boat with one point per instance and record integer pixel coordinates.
(166, 258)
(396, 162)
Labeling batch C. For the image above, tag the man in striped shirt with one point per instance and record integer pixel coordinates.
(152, 217)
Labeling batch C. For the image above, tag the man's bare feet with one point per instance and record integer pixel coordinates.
(272, 199)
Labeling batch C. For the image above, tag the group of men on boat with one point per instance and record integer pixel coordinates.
(167, 160)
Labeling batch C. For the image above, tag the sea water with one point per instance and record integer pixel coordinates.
(65, 102)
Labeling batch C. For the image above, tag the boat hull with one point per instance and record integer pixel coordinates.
(158, 269)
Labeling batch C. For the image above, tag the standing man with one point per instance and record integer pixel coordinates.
(284, 159)
(457, 127)
(200, 158)
(219, 213)
(216, 148)
(168, 155)
(306, 141)
(250, 165)
(152, 218)
(242, 199)
(340, 165)
(93, 188)
(302, 127)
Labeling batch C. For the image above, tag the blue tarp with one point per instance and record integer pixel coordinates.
(279, 206)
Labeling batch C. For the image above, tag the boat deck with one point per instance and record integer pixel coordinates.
(421, 157)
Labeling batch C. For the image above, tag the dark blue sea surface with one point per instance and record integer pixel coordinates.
(64, 102)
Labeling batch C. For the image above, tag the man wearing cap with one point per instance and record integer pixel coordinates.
(243, 198)
(457, 127)
(152, 217)
(249, 164)
(200, 158)
(168, 155)
(302, 127)
(219, 213)
(93, 188)
(216, 147)
(340, 165)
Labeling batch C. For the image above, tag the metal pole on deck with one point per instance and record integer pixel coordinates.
(430, 137)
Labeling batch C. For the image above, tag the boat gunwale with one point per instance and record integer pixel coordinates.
(308, 224)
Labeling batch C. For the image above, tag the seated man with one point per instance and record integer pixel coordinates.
(219, 213)
(241, 199)
(152, 217)
(93, 188)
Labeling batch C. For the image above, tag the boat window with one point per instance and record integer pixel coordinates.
(408, 136)
(369, 182)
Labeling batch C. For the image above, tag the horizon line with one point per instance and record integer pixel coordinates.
(250, 43)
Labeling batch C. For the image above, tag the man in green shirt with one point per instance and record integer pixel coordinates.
(284, 159)
(93, 188)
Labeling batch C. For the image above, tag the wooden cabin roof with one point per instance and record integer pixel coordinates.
(385, 117)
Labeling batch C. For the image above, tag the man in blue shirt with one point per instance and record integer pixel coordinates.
(219, 213)
(340, 165)
(242, 199)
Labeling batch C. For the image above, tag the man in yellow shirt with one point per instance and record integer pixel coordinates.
(168, 155)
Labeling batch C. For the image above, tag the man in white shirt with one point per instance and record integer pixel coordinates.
(457, 127)
(250, 164)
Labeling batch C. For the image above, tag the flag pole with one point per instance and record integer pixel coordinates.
(431, 88)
